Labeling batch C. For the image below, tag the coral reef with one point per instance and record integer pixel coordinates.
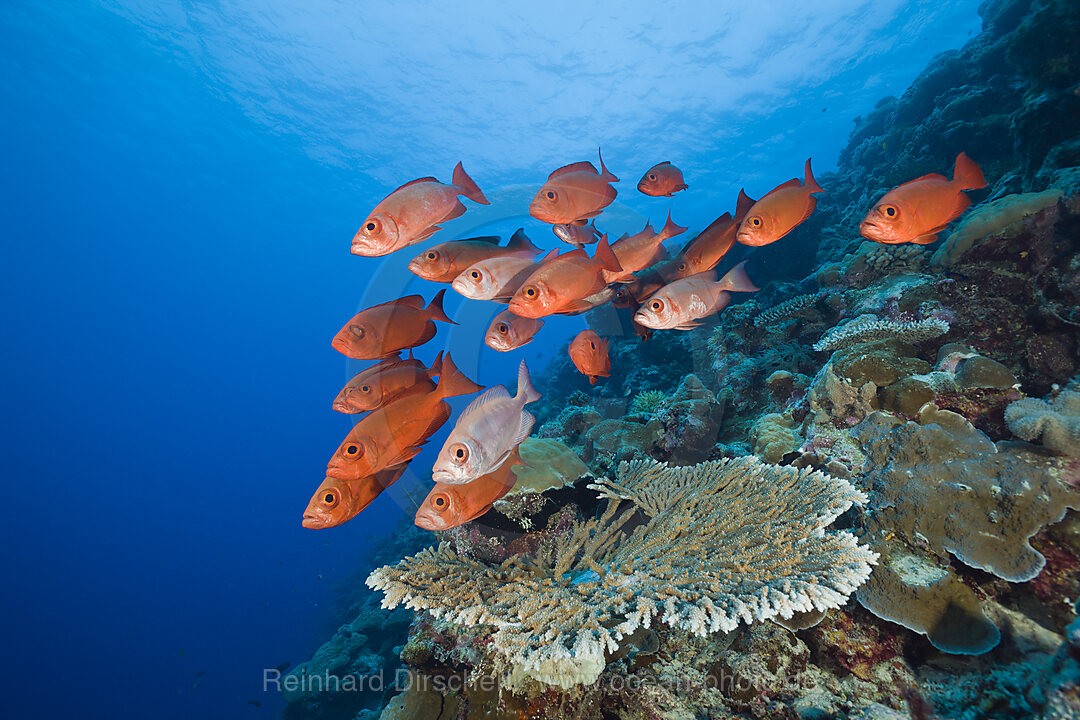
(1055, 420)
(868, 327)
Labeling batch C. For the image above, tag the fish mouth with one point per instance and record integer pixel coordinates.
(343, 407)
(429, 521)
(314, 522)
(417, 269)
(870, 229)
(445, 477)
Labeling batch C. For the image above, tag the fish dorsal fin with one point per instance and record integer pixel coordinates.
(520, 241)
(575, 253)
(666, 162)
(583, 166)
(551, 255)
(743, 205)
(488, 239)
(413, 182)
(793, 182)
(929, 176)
(491, 395)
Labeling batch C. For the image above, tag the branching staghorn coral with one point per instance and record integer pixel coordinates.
(784, 310)
(701, 548)
(868, 327)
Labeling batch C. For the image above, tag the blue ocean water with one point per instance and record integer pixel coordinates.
(181, 182)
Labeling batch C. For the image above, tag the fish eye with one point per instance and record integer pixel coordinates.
(441, 501)
(353, 450)
(371, 226)
(459, 453)
(330, 498)
(755, 221)
(551, 194)
(365, 388)
(682, 267)
(592, 345)
(356, 330)
(657, 305)
(432, 255)
(652, 176)
(503, 328)
(890, 210)
(475, 274)
(530, 292)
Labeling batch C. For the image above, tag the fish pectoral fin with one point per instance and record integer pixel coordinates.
(927, 238)
(426, 234)
(811, 203)
(688, 326)
(584, 218)
(575, 306)
(457, 211)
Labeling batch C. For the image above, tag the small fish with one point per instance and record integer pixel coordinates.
(577, 235)
(412, 213)
(663, 180)
(486, 433)
(706, 250)
(683, 302)
(563, 283)
(589, 353)
(256, 703)
(385, 381)
(574, 193)
(448, 506)
(640, 251)
(497, 278)
(780, 211)
(918, 210)
(446, 261)
(509, 332)
(282, 667)
(338, 501)
(394, 433)
(380, 331)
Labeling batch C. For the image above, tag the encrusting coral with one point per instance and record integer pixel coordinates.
(1056, 420)
(869, 327)
(723, 542)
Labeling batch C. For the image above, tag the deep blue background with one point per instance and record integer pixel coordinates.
(173, 270)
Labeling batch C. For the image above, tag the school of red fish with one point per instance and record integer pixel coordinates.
(404, 400)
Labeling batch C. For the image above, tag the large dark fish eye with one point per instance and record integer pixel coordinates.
(551, 194)
(656, 305)
(503, 328)
(365, 388)
(440, 501)
(352, 450)
(432, 255)
(530, 291)
(890, 210)
(475, 274)
(459, 453)
(755, 221)
(330, 498)
(652, 176)
(592, 344)
(356, 330)
(371, 226)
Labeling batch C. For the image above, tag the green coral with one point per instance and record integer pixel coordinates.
(647, 402)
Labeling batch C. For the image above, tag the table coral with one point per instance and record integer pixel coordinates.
(724, 542)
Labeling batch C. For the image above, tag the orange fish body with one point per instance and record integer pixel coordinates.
(680, 304)
(662, 180)
(563, 283)
(385, 381)
(393, 434)
(574, 193)
(383, 330)
(497, 278)
(640, 251)
(589, 353)
(412, 213)
(338, 501)
(918, 210)
(780, 211)
(508, 332)
(446, 261)
(706, 250)
(448, 506)
(577, 235)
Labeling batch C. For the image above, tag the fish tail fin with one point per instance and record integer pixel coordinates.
(453, 382)
(436, 367)
(737, 280)
(606, 256)
(967, 173)
(524, 386)
(520, 242)
(809, 182)
(468, 186)
(605, 174)
(743, 205)
(435, 310)
(671, 229)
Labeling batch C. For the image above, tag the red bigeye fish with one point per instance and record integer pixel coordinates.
(509, 332)
(497, 278)
(394, 433)
(385, 381)
(663, 180)
(446, 261)
(918, 210)
(684, 301)
(574, 193)
(338, 501)
(486, 433)
(448, 506)
(706, 250)
(640, 251)
(577, 235)
(382, 330)
(563, 283)
(589, 353)
(412, 213)
(780, 211)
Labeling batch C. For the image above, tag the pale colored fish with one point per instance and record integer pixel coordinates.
(497, 278)
(577, 235)
(509, 332)
(486, 433)
(679, 305)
